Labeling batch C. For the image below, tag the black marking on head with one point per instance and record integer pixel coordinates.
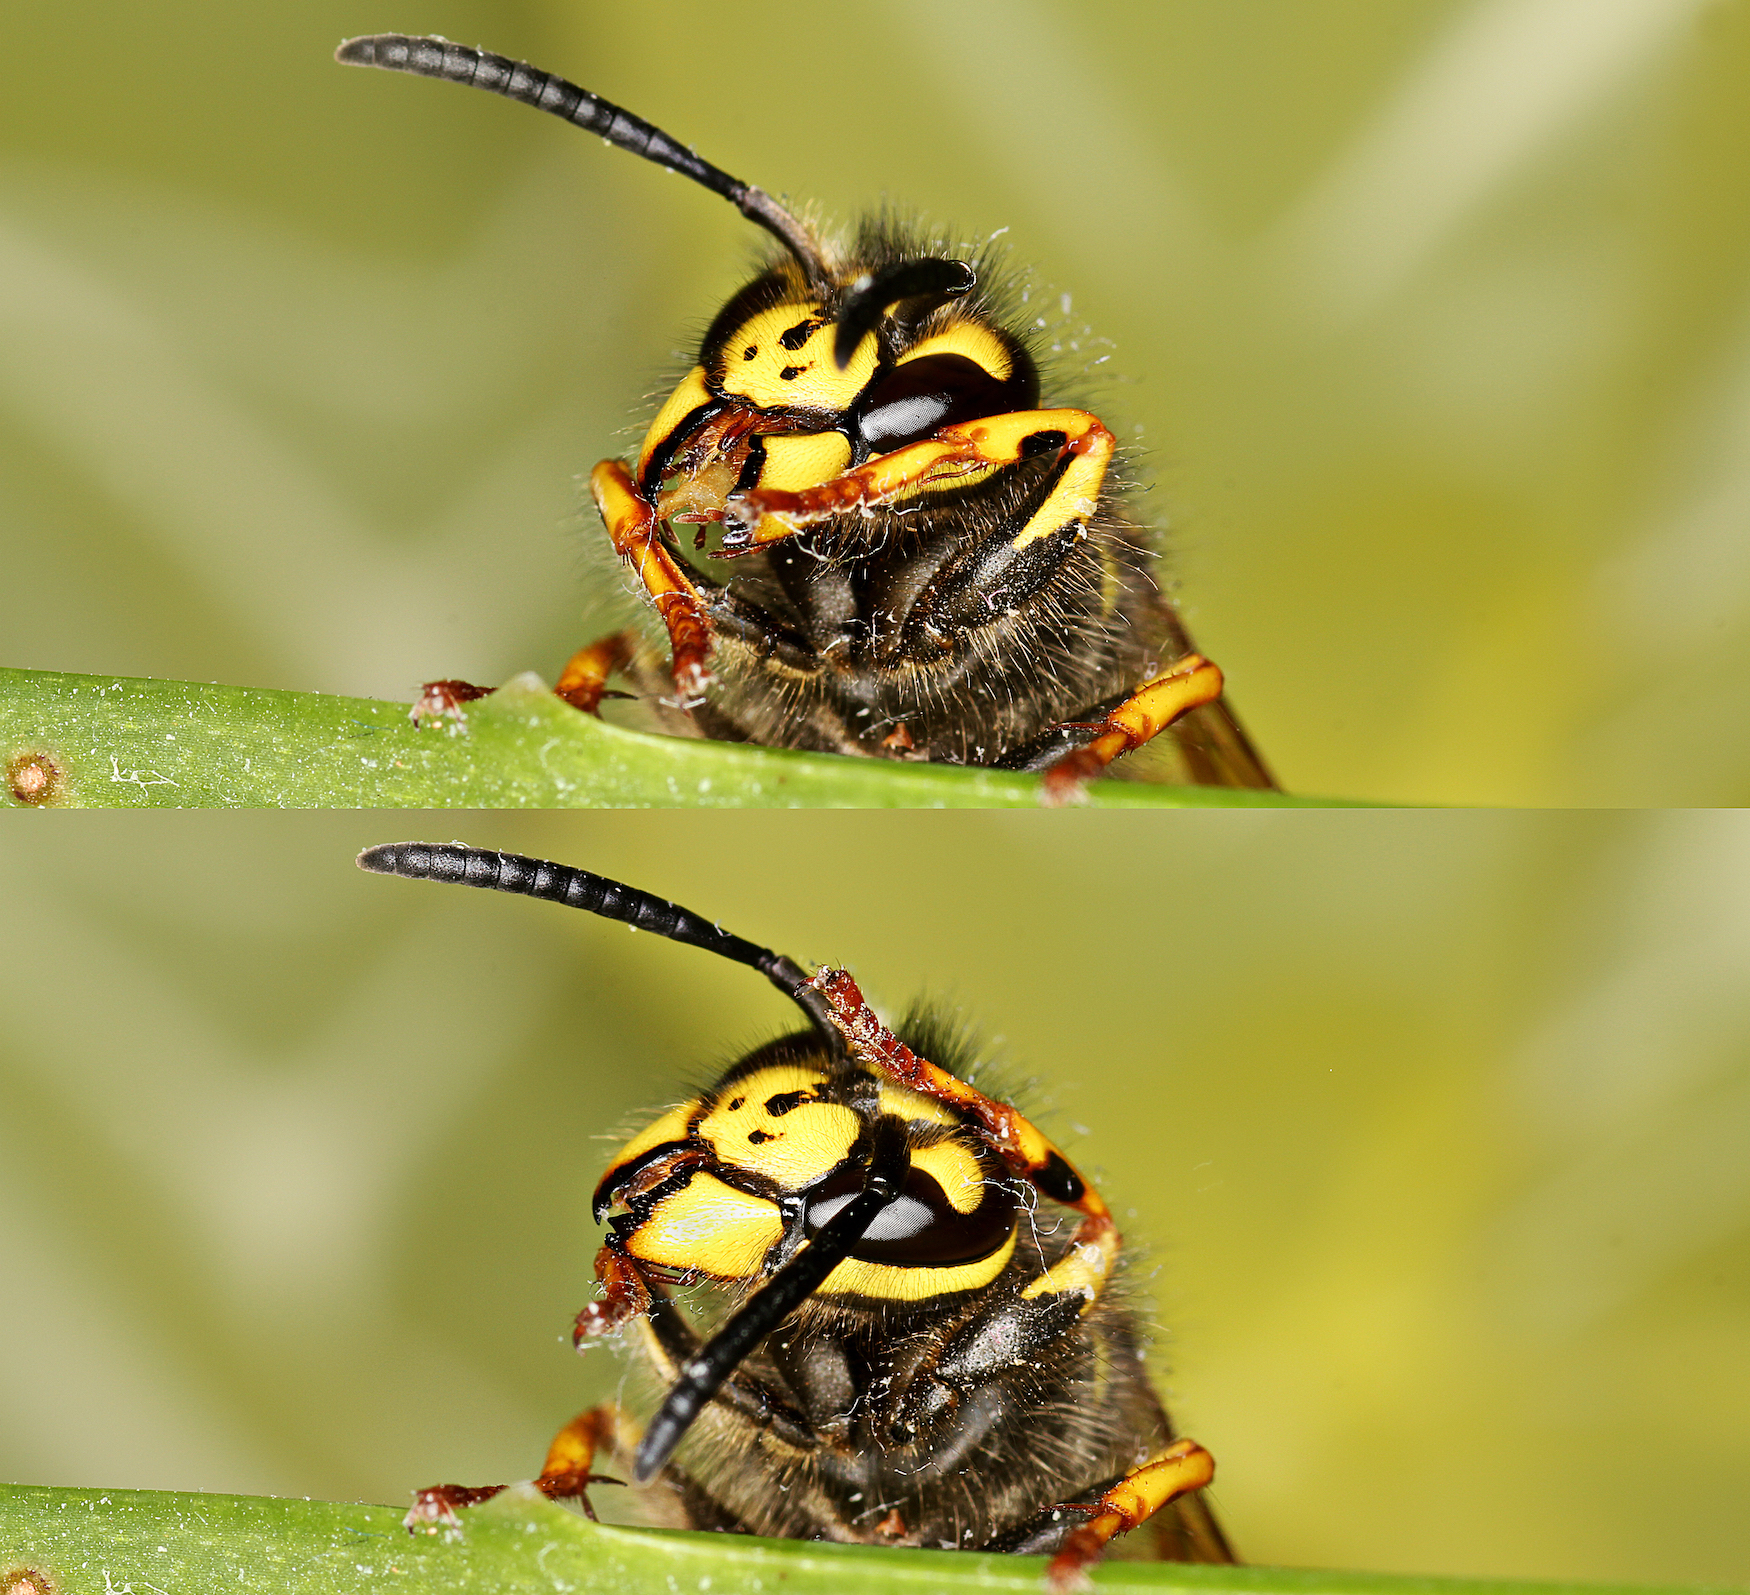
(777, 1106)
(750, 352)
(791, 373)
(760, 1137)
(792, 338)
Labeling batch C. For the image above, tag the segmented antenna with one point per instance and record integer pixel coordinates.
(429, 56)
(781, 1295)
(456, 865)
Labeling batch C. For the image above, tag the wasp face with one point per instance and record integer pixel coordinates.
(729, 1186)
(792, 390)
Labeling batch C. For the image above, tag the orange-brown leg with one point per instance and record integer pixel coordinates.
(1147, 712)
(584, 680)
(1012, 1136)
(636, 535)
(958, 453)
(624, 1297)
(565, 1475)
(444, 699)
(1184, 1466)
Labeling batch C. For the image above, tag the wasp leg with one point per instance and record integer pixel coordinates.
(1188, 684)
(637, 538)
(565, 1475)
(625, 1296)
(1181, 1468)
(1012, 1137)
(583, 683)
(965, 451)
(441, 699)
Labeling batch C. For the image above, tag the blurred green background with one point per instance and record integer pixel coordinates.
(1429, 1131)
(1431, 317)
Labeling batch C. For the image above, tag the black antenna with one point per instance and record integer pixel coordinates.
(935, 281)
(456, 865)
(793, 1284)
(429, 56)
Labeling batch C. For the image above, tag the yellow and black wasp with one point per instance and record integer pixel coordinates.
(916, 557)
(906, 1346)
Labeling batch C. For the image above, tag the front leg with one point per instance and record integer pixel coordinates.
(564, 1476)
(636, 535)
(1181, 1468)
(957, 455)
(1155, 705)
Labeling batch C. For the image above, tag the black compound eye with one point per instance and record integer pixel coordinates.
(935, 390)
(919, 1227)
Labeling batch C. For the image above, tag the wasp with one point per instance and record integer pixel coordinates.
(914, 1335)
(916, 556)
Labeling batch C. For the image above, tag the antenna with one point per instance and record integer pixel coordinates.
(456, 865)
(704, 1373)
(429, 56)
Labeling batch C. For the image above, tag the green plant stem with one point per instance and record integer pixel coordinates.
(117, 742)
(139, 1542)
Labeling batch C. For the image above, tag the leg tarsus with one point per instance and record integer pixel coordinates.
(625, 1296)
(444, 699)
(1181, 1468)
(566, 1474)
(637, 538)
(584, 680)
(1147, 712)
(434, 1508)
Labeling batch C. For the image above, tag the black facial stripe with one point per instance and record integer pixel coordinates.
(616, 1180)
(651, 477)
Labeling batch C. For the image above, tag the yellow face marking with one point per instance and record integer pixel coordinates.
(1085, 1267)
(889, 1282)
(772, 1122)
(672, 1126)
(782, 359)
(978, 344)
(913, 1106)
(710, 1228)
(804, 459)
(956, 1170)
(675, 409)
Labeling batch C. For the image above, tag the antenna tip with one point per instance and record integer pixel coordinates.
(391, 858)
(358, 52)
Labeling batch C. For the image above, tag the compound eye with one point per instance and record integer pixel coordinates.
(919, 1227)
(935, 390)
